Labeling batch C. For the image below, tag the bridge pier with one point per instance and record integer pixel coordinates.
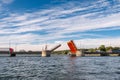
(47, 53)
(78, 53)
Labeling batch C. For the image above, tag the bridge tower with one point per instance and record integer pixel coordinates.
(73, 49)
(47, 53)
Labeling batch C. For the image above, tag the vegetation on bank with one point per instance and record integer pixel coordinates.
(101, 48)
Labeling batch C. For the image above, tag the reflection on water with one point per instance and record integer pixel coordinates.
(59, 68)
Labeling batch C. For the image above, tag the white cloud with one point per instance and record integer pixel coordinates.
(92, 43)
(51, 27)
(7, 1)
(107, 29)
(83, 43)
(31, 21)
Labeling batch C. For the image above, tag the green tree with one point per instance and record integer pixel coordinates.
(102, 48)
(92, 50)
(109, 48)
(116, 48)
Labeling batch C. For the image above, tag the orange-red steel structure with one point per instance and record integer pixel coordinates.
(72, 47)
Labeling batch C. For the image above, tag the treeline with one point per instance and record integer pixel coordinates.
(61, 52)
(103, 49)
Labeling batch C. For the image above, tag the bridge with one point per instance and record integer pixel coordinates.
(7, 51)
(47, 53)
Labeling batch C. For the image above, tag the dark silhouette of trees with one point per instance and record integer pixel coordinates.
(109, 48)
(102, 48)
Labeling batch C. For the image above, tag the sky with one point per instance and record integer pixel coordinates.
(32, 24)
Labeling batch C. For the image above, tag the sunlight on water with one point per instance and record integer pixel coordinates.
(59, 68)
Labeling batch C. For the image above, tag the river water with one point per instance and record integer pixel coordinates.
(59, 67)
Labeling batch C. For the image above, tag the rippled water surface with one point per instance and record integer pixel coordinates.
(59, 68)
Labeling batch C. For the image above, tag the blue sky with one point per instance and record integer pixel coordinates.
(31, 23)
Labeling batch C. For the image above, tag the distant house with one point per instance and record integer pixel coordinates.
(114, 51)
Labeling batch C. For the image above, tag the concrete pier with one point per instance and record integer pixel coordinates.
(80, 53)
(47, 53)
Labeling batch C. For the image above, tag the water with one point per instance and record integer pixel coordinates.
(59, 68)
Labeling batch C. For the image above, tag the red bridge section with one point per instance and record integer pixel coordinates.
(72, 47)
